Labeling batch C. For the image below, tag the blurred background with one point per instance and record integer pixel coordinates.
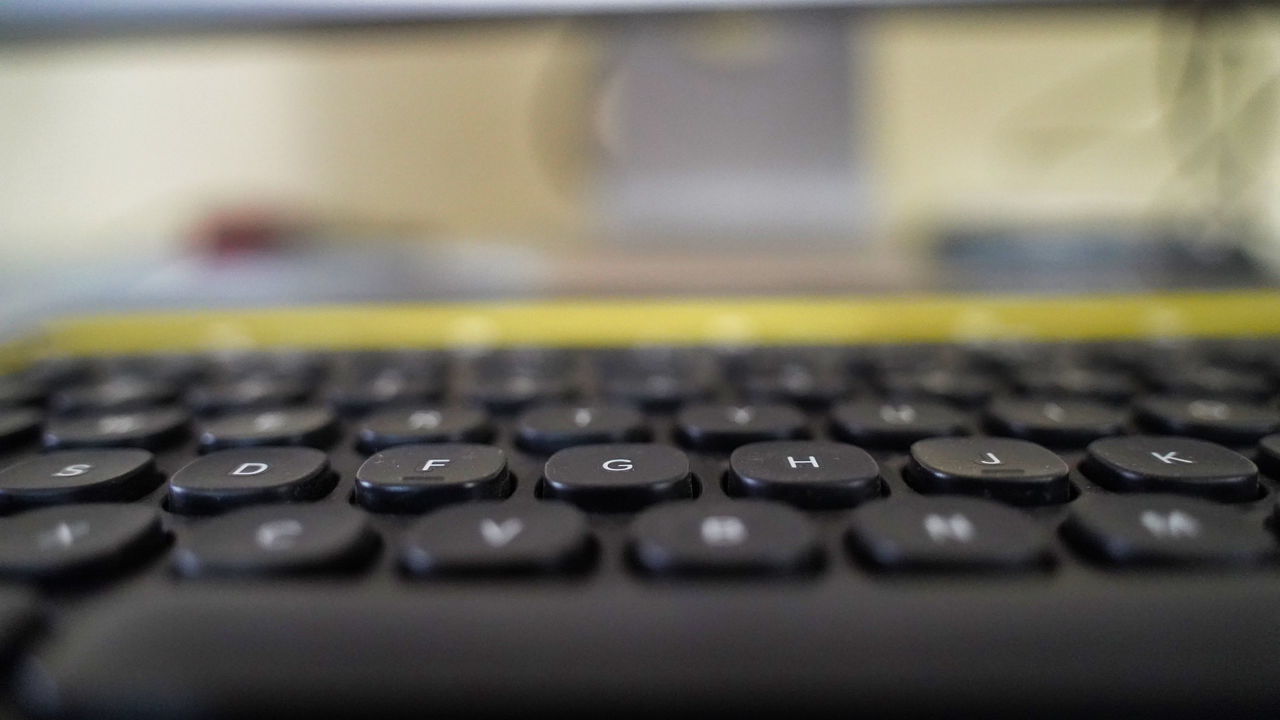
(1086, 147)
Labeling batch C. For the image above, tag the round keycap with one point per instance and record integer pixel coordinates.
(809, 383)
(656, 390)
(963, 387)
(1212, 381)
(555, 427)
(1058, 423)
(810, 474)
(1153, 463)
(122, 393)
(894, 424)
(383, 387)
(492, 538)
(946, 533)
(149, 429)
(617, 476)
(724, 427)
(413, 478)
(248, 393)
(656, 378)
(1014, 471)
(405, 426)
(1165, 529)
(1076, 382)
(72, 540)
(754, 537)
(509, 393)
(237, 477)
(312, 426)
(1232, 422)
(69, 476)
(278, 540)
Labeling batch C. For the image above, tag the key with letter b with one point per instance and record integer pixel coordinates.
(755, 537)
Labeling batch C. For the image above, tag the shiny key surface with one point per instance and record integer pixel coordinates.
(1155, 463)
(1016, 471)
(232, 478)
(617, 476)
(69, 476)
(805, 473)
(412, 478)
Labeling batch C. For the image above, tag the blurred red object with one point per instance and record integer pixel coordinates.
(237, 231)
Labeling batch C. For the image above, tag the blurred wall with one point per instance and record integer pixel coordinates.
(457, 129)
(1120, 115)
(491, 130)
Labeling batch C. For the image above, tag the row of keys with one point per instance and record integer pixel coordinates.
(752, 537)
(652, 378)
(629, 476)
(870, 423)
(650, 391)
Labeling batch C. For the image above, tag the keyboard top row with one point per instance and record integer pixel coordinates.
(653, 378)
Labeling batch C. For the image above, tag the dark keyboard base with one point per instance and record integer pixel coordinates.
(1035, 647)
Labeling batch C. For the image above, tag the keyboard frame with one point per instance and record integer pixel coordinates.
(1076, 639)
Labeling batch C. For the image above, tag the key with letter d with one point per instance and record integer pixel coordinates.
(234, 478)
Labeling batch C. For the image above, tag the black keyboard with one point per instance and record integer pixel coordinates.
(1039, 529)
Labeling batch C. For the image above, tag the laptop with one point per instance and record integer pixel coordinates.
(480, 359)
